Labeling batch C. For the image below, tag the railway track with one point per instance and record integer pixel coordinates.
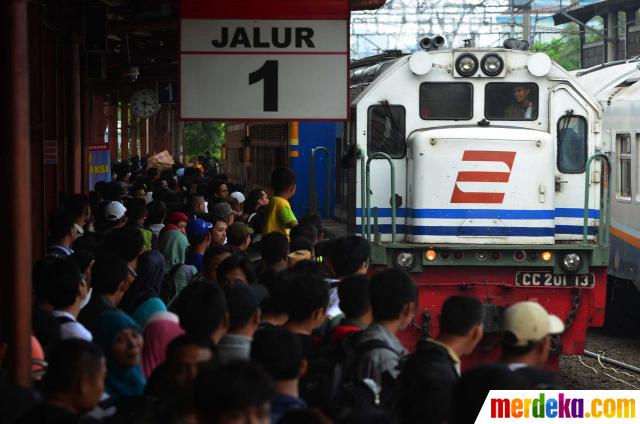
(593, 372)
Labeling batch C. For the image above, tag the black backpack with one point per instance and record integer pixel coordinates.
(331, 382)
(258, 221)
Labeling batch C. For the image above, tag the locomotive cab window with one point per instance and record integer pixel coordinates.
(572, 144)
(458, 104)
(387, 130)
(511, 101)
(623, 148)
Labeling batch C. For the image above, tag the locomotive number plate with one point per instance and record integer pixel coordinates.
(548, 279)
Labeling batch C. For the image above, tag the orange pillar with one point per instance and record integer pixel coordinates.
(15, 168)
(76, 117)
(100, 124)
(144, 139)
(134, 135)
(152, 134)
(169, 129)
(112, 119)
(124, 145)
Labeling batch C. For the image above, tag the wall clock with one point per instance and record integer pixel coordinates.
(144, 103)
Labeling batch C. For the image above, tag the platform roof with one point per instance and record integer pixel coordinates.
(588, 12)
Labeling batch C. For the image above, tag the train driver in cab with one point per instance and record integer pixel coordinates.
(523, 107)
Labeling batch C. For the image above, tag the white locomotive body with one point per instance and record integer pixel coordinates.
(493, 161)
(466, 174)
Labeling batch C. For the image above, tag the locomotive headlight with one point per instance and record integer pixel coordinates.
(519, 255)
(571, 262)
(466, 65)
(431, 255)
(492, 65)
(482, 255)
(405, 260)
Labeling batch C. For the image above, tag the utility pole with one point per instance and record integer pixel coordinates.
(513, 20)
(526, 26)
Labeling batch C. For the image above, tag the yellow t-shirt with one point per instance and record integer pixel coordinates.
(279, 215)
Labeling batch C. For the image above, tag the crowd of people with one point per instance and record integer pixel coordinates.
(176, 297)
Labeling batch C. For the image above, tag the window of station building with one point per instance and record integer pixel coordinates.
(386, 131)
(623, 149)
(446, 101)
(572, 144)
(511, 101)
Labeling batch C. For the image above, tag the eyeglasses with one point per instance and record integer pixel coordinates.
(79, 229)
(38, 369)
(133, 273)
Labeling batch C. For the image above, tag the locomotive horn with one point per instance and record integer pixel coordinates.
(426, 43)
(438, 41)
(434, 43)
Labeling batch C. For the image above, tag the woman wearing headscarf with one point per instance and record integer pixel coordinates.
(160, 330)
(121, 341)
(143, 297)
(175, 221)
(173, 245)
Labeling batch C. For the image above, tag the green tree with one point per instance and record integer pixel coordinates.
(202, 136)
(565, 51)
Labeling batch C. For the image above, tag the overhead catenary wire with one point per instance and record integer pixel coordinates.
(399, 23)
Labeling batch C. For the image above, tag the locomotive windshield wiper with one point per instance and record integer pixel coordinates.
(391, 127)
(565, 127)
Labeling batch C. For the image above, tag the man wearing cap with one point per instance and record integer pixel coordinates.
(526, 340)
(239, 198)
(199, 240)
(223, 210)
(239, 236)
(243, 302)
(114, 215)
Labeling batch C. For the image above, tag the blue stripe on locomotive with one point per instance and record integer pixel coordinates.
(487, 231)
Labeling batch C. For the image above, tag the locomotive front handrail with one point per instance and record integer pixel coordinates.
(312, 181)
(604, 218)
(380, 155)
(363, 204)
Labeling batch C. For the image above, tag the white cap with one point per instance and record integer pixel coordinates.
(114, 211)
(238, 196)
(528, 322)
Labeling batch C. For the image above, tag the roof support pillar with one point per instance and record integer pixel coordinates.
(75, 159)
(15, 286)
(124, 146)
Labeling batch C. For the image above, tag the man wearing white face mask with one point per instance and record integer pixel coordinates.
(63, 233)
(67, 291)
(85, 260)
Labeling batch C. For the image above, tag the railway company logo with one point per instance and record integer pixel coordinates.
(460, 196)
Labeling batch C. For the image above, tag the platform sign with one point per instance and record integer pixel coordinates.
(167, 92)
(256, 60)
(99, 164)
